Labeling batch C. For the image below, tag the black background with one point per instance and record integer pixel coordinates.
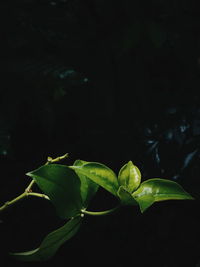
(107, 82)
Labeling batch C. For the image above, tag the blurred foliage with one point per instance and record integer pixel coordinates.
(172, 144)
(85, 66)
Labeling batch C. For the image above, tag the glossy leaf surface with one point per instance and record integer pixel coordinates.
(126, 197)
(100, 174)
(130, 177)
(62, 186)
(154, 190)
(51, 242)
(88, 187)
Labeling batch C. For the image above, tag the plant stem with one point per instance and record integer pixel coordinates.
(9, 203)
(38, 195)
(100, 213)
(49, 160)
(23, 195)
(28, 191)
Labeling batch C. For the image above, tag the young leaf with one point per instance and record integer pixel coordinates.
(51, 242)
(62, 186)
(130, 177)
(126, 197)
(100, 174)
(88, 187)
(154, 190)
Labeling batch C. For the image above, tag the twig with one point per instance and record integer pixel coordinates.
(28, 190)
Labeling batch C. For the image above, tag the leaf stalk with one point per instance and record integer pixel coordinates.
(100, 213)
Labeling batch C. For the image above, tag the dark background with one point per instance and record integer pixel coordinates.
(108, 82)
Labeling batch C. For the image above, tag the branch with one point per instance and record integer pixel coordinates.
(28, 191)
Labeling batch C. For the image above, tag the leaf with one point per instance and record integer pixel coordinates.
(88, 187)
(62, 186)
(130, 177)
(125, 197)
(100, 174)
(51, 242)
(154, 190)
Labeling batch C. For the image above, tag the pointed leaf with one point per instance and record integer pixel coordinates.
(126, 197)
(130, 177)
(62, 186)
(51, 242)
(100, 174)
(88, 187)
(154, 190)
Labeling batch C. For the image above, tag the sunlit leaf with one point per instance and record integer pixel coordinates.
(130, 177)
(126, 197)
(100, 174)
(51, 242)
(62, 186)
(88, 187)
(154, 190)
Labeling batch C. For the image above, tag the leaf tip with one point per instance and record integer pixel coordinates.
(189, 197)
(29, 174)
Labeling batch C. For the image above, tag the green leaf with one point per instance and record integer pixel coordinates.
(100, 174)
(51, 242)
(130, 177)
(126, 197)
(88, 187)
(62, 186)
(154, 190)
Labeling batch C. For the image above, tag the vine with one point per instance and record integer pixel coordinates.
(71, 188)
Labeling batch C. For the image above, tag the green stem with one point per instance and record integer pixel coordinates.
(10, 203)
(100, 213)
(28, 191)
(51, 160)
(23, 195)
(38, 195)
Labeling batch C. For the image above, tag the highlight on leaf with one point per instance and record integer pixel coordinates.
(155, 190)
(100, 174)
(129, 177)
